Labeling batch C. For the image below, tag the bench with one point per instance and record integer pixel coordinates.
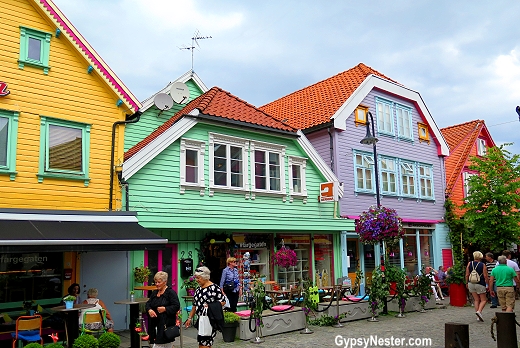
(274, 323)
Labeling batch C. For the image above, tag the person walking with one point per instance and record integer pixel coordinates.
(490, 264)
(477, 289)
(514, 266)
(229, 282)
(162, 308)
(504, 276)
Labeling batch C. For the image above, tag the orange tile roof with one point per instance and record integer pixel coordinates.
(460, 139)
(316, 104)
(220, 104)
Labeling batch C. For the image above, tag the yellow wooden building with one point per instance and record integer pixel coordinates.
(62, 118)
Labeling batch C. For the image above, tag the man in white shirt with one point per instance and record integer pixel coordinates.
(511, 264)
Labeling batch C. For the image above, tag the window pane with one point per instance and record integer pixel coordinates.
(219, 150)
(274, 171)
(296, 179)
(34, 50)
(4, 123)
(191, 166)
(65, 148)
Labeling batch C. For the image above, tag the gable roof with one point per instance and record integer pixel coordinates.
(316, 104)
(461, 138)
(190, 75)
(216, 105)
(83, 47)
(336, 98)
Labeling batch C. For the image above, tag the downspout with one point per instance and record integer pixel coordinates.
(130, 119)
(126, 185)
(331, 148)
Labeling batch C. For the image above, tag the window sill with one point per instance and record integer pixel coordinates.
(192, 187)
(12, 174)
(269, 194)
(79, 177)
(45, 68)
(301, 196)
(408, 140)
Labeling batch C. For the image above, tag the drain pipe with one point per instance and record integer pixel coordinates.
(126, 185)
(129, 119)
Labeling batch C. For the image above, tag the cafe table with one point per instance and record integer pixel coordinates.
(135, 338)
(278, 294)
(72, 320)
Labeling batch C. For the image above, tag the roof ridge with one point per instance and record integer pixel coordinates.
(460, 124)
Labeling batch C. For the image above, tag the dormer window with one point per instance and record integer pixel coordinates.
(424, 134)
(360, 115)
(481, 147)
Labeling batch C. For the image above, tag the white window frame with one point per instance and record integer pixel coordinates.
(370, 168)
(421, 177)
(228, 141)
(405, 166)
(481, 147)
(466, 176)
(302, 164)
(380, 116)
(388, 173)
(268, 148)
(406, 112)
(200, 148)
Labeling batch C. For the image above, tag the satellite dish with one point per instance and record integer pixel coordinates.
(163, 101)
(179, 92)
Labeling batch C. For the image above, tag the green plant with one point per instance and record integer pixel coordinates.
(132, 292)
(109, 340)
(33, 345)
(378, 291)
(358, 280)
(230, 318)
(327, 320)
(69, 298)
(393, 274)
(423, 288)
(310, 295)
(189, 283)
(85, 341)
(141, 274)
(258, 292)
(457, 232)
(53, 345)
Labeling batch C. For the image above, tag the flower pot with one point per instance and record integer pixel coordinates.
(190, 292)
(393, 288)
(458, 296)
(69, 304)
(229, 332)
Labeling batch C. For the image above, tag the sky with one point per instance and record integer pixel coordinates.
(463, 57)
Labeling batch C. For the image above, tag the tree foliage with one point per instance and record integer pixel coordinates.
(493, 202)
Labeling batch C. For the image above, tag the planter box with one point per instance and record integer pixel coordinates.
(274, 323)
(413, 304)
(352, 310)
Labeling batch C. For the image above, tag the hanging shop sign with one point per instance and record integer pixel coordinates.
(419, 225)
(327, 192)
(3, 89)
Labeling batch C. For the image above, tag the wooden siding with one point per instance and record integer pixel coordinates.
(154, 192)
(457, 194)
(67, 93)
(151, 120)
(321, 142)
(347, 141)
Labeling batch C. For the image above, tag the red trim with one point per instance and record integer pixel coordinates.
(175, 268)
(422, 221)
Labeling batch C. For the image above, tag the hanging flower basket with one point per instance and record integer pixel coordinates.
(285, 257)
(379, 224)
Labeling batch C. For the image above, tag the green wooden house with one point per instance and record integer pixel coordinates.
(220, 178)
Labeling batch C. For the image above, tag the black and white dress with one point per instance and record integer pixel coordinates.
(202, 297)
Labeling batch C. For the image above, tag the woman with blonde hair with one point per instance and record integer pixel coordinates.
(162, 308)
(477, 288)
(229, 282)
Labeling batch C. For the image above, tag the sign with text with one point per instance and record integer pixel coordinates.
(327, 192)
(3, 89)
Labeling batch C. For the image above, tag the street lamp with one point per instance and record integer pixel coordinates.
(370, 139)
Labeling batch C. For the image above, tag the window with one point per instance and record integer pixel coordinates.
(481, 147)
(297, 182)
(425, 181)
(268, 167)
(227, 162)
(192, 164)
(388, 176)
(64, 149)
(8, 139)
(466, 177)
(360, 115)
(407, 179)
(385, 118)
(404, 122)
(34, 48)
(363, 172)
(424, 134)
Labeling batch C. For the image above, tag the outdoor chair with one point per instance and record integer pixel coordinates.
(28, 328)
(93, 316)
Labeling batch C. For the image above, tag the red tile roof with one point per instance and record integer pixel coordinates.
(220, 104)
(460, 139)
(316, 104)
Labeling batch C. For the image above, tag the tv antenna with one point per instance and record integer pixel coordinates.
(194, 40)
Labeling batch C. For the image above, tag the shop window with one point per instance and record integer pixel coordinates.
(394, 256)
(34, 49)
(30, 276)
(160, 260)
(426, 247)
(64, 150)
(192, 164)
(353, 254)
(8, 139)
(410, 255)
(323, 259)
(228, 162)
(370, 261)
(294, 275)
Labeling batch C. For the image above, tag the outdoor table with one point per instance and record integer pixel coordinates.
(275, 294)
(146, 289)
(71, 320)
(134, 316)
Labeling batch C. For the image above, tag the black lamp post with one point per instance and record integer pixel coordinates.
(370, 139)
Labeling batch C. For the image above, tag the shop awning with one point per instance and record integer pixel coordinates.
(39, 230)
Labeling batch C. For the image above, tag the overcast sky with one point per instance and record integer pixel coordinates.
(463, 57)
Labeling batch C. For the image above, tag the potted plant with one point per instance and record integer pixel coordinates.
(379, 224)
(141, 274)
(109, 340)
(85, 341)
(285, 257)
(378, 292)
(33, 345)
(190, 284)
(423, 289)
(69, 301)
(229, 330)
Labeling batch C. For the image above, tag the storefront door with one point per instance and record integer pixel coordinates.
(108, 272)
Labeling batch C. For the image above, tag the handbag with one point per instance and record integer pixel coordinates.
(230, 286)
(171, 332)
(205, 328)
